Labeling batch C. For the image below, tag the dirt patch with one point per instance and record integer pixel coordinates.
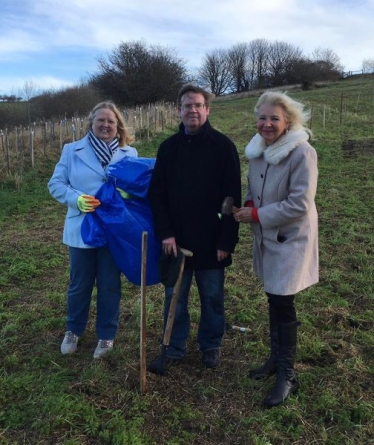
(358, 146)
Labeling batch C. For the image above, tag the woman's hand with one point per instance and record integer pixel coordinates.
(87, 203)
(244, 215)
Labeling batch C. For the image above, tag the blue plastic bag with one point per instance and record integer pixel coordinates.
(119, 223)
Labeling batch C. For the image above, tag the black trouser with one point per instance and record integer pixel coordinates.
(286, 384)
(283, 306)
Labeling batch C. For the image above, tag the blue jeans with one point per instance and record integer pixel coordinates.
(210, 284)
(88, 266)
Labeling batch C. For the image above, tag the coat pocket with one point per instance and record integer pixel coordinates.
(281, 238)
(72, 213)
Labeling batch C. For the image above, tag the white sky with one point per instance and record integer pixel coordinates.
(56, 43)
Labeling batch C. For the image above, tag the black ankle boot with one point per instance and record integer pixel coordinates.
(270, 366)
(286, 383)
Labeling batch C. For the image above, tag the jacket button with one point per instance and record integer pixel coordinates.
(262, 175)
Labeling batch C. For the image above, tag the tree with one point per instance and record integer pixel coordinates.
(216, 71)
(328, 60)
(71, 101)
(258, 51)
(368, 65)
(29, 90)
(238, 55)
(281, 58)
(322, 65)
(136, 74)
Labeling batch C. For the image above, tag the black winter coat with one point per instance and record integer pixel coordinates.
(192, 176)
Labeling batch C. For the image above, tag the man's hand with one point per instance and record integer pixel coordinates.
(87, 203)
(221, 255)
(169, 246)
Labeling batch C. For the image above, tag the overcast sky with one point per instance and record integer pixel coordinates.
(56, 43)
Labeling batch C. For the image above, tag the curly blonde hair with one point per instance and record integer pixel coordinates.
(294, 111)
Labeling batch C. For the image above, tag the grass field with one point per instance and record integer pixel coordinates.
(47, 398)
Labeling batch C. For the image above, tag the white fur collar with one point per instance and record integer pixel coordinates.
(273, 154)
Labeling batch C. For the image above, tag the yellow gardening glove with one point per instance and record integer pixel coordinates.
(124, 194)
(87, 203)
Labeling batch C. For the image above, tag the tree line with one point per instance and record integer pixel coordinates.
(136, 73)
(10, 98)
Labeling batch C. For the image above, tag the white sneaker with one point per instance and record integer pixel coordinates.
(103, 347)
(70, 343)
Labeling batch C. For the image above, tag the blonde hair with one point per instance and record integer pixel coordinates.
(294, 112)
(123, 135)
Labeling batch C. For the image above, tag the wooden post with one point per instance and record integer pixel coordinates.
(60, 134)
(73, 131)
(7, 150)
(143, 317)
(32, 147)
(44, 135)
(341, 107)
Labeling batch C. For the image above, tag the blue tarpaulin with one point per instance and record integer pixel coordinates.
(119, 223)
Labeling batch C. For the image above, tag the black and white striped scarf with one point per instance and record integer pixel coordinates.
(103, 151)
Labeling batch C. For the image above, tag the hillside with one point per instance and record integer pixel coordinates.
(49, 399)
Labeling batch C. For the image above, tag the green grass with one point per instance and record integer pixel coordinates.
(47, 398)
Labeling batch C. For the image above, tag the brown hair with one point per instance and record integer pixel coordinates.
(123, 135)
(191, 88)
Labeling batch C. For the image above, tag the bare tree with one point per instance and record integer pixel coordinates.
(238, 55)
(282, 57)
(28, 91)
(66, 102)
(258, 51)
(138, 74)
(329, 58)
(216, 71)
(368, 65)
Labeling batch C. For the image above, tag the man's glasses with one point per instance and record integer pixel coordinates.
(189, 107)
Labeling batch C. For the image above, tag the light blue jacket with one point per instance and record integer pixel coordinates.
(79, 172)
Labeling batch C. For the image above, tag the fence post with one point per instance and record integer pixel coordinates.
(171, 117)
(73, 132)
(44, 132)
(311, 118)
(341, 108)
(32, 147)
(7, 150)
(19, 149)
(60, 134)
(51, 134)
(2, 141)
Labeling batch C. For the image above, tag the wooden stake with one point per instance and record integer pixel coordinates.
(143, 317)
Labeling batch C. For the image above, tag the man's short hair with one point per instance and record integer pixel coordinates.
(192, 88)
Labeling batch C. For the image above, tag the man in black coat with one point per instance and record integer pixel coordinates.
(195, 170)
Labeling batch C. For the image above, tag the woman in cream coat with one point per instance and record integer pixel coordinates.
(77, 177)
(280, 207)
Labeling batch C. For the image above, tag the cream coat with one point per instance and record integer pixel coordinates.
(285, 250)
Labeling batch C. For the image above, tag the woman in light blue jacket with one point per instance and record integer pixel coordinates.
(77, 177)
